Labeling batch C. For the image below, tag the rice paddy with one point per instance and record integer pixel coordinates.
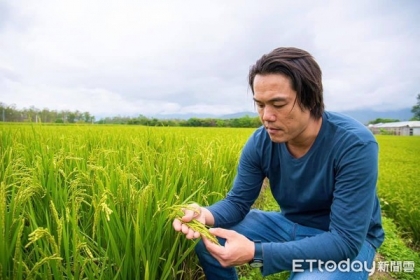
(96, 202)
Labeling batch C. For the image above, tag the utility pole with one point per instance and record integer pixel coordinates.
(3, 116)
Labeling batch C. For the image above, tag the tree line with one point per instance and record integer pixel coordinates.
(245, 121)
(9, 113)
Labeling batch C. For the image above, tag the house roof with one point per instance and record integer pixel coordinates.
(397, 124)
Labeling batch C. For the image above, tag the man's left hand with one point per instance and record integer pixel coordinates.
(238, 249)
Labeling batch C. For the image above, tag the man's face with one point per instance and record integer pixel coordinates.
(278, 108)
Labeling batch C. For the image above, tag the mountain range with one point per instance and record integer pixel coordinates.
(362, 115)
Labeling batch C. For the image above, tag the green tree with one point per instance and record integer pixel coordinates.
(45, 115)
(416, 110)
(71, 117)
(380, 120)
(194, 122)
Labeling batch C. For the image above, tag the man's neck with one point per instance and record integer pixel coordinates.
(299, 146)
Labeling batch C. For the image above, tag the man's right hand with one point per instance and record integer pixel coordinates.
(201, 214)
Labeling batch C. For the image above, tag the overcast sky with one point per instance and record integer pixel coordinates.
(170, 57)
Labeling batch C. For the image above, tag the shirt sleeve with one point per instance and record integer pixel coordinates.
(245, 190)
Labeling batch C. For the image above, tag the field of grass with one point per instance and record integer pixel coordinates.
(91, 202)
(398, 183)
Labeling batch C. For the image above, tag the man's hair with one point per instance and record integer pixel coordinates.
(303, 71)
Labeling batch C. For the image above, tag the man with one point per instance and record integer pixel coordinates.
(322, 168)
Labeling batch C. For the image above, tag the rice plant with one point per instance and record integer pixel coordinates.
(91, 202)
(399, 177)
(95, 202)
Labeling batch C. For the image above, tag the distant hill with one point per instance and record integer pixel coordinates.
(204, 116)
(239, 115)
(363, 116)
(183, 116)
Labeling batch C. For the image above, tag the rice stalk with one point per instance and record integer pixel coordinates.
(37, 265)
(178, 212)
(18, 263)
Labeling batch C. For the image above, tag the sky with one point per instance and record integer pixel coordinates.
(192, 57)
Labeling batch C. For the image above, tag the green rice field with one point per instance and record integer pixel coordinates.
(91, 201)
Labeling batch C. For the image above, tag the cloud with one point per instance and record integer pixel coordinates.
(138, 57)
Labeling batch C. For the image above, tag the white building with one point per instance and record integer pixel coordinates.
(407, 128)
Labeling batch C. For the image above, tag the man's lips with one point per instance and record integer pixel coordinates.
(272, 129)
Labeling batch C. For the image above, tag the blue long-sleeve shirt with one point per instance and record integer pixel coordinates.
(332, 188)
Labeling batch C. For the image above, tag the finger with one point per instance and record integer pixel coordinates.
(185, 229)
(177, 224)
(191, 234)
(221, 232)
(214, 249)
(190, 214)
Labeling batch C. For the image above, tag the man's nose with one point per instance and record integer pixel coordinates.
(268, 114)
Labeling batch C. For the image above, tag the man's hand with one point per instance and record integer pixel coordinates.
(238, 249)
(199, 213)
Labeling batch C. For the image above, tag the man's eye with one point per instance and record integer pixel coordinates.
(278, 106)
(260, 105)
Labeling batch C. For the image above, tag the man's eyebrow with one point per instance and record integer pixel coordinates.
(276, 99)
